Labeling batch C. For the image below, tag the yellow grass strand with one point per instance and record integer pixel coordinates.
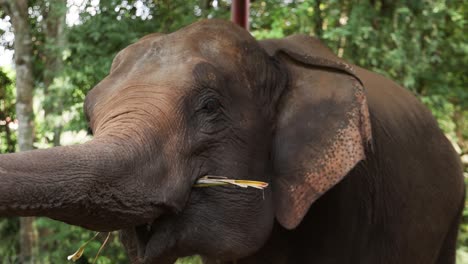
(209, 181)
(102, 247)
(77, 255)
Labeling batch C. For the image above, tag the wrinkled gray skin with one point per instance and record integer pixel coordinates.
(358, 170)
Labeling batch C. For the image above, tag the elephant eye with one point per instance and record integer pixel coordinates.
(210, 115)
(211, 105)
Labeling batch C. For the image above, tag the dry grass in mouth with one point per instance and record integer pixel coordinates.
(210, 180)
(206, 181)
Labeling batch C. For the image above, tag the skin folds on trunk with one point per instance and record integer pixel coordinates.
(83, 185)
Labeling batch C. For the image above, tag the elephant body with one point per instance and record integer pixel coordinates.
(383, 211)
(358, 170)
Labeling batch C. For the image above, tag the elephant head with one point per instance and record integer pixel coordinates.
(206, 100)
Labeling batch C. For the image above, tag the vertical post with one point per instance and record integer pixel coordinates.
(240, 13)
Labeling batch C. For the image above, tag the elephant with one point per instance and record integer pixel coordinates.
(358, 169)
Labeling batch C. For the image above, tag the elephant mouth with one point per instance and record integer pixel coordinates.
(143, 235)
(152, 246)
(155, 241)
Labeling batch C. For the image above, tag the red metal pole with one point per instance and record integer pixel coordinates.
(240, 13)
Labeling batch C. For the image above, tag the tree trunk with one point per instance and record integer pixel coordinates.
(54, 29)
(18, 11)
(28, 240)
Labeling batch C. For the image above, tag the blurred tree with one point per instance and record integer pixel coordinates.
(53, 29)
(18, 11)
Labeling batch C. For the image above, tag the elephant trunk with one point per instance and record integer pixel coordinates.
(82, 185)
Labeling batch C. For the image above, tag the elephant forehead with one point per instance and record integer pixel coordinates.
(151, 56)
(177, 74)
(219, 42)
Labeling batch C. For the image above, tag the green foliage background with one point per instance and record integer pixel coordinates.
(420, 44)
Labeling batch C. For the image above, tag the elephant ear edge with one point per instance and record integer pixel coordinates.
(323, 125)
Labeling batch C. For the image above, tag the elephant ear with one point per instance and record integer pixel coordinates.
(322, 128)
